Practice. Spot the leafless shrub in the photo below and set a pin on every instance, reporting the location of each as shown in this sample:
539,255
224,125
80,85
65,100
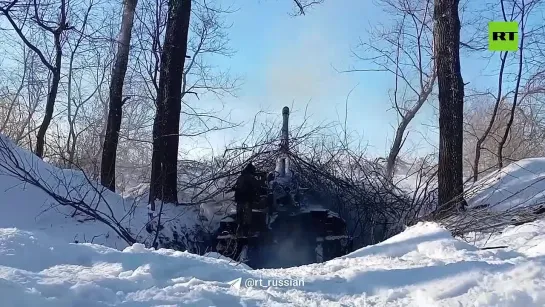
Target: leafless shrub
77,192
331,175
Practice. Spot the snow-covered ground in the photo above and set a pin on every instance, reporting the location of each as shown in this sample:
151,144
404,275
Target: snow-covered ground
423,266
26,206
518,185
40,265
528,239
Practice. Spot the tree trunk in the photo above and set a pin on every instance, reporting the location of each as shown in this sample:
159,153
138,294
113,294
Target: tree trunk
482,139
451,100
54,69
515,97
111,139
164,177
51,96
395,149
157,153
402,127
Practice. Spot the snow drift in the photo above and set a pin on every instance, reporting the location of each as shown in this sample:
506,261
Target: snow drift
30,190
423,266
520,184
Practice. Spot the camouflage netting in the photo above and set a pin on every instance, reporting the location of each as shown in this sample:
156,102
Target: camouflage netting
339,180
331,175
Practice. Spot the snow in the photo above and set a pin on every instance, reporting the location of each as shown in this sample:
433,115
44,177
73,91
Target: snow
520,184
528,239
423,266
28,207
40,265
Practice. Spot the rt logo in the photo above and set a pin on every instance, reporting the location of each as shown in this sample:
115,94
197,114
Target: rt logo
503,36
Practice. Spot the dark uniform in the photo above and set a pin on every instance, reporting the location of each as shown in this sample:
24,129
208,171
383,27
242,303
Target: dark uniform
247,191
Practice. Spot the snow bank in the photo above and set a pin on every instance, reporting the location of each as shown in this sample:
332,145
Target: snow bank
423,266
26,206
518,185
528,239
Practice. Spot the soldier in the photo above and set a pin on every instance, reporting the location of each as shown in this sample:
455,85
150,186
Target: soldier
247,190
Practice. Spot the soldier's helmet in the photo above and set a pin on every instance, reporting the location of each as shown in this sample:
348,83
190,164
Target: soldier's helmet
249,169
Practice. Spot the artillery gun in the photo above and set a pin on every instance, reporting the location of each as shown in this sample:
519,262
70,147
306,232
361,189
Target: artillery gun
285,231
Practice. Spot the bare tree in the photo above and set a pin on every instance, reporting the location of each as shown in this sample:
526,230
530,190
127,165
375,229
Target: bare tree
303,5
451,103
56,28
15,113
526,133
107,174
73,108
527,69
525,9
484,136
405,51
164,180
207,39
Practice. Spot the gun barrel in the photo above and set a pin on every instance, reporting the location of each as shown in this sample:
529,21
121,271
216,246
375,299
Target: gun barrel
285,132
